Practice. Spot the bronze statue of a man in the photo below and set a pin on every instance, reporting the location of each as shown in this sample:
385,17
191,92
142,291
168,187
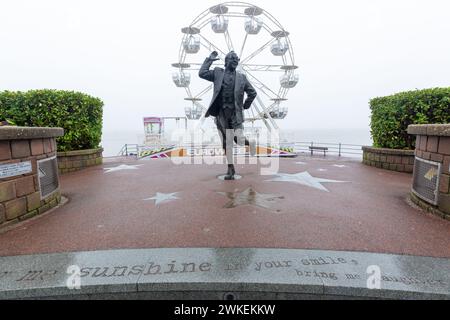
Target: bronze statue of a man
227,104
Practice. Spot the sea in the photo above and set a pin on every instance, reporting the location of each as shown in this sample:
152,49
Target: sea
113,141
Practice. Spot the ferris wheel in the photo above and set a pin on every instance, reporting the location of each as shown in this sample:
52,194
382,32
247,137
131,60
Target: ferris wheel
264,49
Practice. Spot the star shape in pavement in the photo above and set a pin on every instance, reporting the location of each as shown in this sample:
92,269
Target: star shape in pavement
249,197
304,178
163,197
122,167
339,166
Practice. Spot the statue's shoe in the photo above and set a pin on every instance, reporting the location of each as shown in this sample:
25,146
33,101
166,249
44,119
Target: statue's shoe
230,173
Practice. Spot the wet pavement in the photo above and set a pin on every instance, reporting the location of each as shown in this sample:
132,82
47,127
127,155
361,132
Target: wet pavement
312,203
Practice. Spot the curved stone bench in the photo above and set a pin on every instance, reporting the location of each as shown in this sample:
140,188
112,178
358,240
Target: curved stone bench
223,274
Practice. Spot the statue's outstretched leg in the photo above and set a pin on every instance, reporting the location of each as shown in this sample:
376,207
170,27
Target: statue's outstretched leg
241,140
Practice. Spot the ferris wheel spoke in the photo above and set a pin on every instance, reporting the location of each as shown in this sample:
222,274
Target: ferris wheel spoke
261,84
189,93
258,51
263,67
253,113
213,46
228,41
266,113
263,115
243,45
204,24
204,91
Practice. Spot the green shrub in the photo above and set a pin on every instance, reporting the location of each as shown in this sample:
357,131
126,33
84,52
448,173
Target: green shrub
392,115
78,114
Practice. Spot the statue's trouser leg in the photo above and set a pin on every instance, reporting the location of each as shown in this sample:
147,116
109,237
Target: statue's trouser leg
229,144
239,137
225,134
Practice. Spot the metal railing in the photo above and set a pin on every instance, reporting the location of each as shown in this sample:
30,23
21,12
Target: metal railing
129,150
339,149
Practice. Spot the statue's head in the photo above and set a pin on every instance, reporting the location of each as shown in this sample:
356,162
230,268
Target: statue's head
231,61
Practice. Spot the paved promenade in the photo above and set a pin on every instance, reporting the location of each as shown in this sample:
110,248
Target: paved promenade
313,203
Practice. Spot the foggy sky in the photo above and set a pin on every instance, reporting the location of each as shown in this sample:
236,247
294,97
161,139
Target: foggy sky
348,51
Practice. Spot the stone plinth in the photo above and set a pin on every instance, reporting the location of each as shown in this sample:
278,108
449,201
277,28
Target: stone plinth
76,160
389,159
21,149
433,144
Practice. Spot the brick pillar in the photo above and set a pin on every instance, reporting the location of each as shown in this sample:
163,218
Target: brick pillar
433,144
20,150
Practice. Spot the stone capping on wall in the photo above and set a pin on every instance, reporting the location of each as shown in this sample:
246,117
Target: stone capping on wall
396,152
440,130
25,133
78,152
389,159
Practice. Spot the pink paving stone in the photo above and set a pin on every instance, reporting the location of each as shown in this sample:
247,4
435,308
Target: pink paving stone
369,213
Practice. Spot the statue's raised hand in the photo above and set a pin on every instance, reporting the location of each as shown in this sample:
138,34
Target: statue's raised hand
214,56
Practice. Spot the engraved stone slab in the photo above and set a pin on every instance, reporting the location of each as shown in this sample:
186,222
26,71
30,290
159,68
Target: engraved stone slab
15,169
210,273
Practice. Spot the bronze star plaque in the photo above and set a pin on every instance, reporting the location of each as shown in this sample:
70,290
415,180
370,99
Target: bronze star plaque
250,197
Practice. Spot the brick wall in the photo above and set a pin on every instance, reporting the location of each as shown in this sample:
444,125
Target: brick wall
77,160
20,195
389,159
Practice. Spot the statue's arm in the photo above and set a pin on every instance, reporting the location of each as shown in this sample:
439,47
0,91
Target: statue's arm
204,72
251,94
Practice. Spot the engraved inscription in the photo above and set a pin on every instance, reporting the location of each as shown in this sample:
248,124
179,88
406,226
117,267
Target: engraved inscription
327,268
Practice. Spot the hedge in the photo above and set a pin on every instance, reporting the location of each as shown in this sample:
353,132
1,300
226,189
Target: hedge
79,114
392,115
